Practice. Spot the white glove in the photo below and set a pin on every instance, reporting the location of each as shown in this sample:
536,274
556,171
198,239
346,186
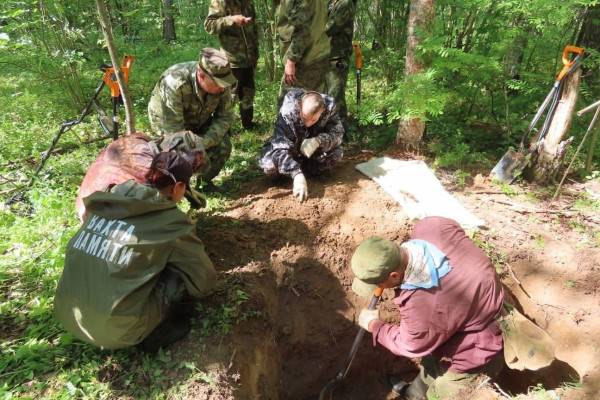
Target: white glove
300,190
366,316
309,146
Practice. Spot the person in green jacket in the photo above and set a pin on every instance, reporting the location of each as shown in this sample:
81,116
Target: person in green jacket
234,21
340,28
133,261
303,43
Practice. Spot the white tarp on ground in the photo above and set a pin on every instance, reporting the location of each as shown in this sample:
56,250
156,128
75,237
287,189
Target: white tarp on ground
413,185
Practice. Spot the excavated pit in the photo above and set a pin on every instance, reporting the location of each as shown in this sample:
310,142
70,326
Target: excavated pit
294,262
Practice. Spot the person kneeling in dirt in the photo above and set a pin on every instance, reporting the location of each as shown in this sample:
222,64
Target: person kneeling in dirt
134,267
130,157
306,140
196,96
450,301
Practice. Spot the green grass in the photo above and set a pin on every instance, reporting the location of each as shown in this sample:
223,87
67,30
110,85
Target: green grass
38,359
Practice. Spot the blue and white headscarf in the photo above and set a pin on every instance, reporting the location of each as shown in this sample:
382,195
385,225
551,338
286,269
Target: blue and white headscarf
426,265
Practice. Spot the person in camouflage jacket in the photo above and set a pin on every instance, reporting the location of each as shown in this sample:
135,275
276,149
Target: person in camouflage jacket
306,140
304,46
234,21
196,96
340,28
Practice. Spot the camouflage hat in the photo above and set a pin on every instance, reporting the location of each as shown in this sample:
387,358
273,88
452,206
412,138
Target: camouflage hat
188,144
372,262
214,63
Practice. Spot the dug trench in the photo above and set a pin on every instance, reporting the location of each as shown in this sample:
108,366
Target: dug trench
292,261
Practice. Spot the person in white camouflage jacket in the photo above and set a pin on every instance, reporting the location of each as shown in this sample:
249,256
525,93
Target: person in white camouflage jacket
307,139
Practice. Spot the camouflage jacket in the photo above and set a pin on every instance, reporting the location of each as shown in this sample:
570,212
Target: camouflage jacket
301,30
290,131
179,103
340,27
239,43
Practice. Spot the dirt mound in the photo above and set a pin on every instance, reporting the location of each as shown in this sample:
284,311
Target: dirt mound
294,258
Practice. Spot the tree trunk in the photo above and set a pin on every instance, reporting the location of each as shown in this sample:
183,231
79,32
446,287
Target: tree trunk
420,22
168,23
552,148
103,16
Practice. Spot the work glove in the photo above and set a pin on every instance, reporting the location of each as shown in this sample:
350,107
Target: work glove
366,316
300,190
309,146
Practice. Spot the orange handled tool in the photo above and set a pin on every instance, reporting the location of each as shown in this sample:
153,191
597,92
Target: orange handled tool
569,62
110,77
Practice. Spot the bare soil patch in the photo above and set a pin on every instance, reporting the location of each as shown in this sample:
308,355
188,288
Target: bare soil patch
294,262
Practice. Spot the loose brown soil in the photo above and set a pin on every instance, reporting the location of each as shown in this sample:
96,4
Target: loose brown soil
293,261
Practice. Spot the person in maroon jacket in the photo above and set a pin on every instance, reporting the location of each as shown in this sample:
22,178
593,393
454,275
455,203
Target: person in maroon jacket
449,298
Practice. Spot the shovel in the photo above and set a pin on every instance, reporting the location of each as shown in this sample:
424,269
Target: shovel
332,384
513,162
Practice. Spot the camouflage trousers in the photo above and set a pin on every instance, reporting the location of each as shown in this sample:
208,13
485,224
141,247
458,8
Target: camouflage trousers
216,157
446,384
244,89
244,92
335,82
279,162
309,77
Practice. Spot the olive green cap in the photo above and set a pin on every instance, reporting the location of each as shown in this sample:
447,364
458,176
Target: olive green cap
372,262
214,63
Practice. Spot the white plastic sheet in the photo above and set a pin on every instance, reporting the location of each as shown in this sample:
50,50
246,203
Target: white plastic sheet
415,187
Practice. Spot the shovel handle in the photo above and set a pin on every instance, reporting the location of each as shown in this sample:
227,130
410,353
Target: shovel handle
358,57
567,61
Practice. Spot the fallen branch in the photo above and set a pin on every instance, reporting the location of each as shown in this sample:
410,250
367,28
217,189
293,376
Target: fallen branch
519,209
485,192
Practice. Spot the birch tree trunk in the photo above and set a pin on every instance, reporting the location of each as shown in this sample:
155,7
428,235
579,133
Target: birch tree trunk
112,51
420,21
168,23
552,149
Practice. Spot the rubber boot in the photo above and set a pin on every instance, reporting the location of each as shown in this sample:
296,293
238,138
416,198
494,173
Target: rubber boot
416,390
167,332
197,200
247,115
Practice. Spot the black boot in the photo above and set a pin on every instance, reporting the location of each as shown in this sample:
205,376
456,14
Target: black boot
167,332
247,115
416,390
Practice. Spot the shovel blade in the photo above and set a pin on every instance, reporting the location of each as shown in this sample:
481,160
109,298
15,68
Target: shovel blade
510,166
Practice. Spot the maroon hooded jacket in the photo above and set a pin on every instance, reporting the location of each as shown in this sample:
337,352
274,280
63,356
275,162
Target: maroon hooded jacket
457,319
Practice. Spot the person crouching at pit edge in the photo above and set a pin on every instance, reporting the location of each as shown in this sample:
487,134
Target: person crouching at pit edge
135,263
306,139
448,296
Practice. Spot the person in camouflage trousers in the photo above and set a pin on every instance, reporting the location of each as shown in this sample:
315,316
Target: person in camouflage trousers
303,44
234,21
196,96
340,28
306,140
